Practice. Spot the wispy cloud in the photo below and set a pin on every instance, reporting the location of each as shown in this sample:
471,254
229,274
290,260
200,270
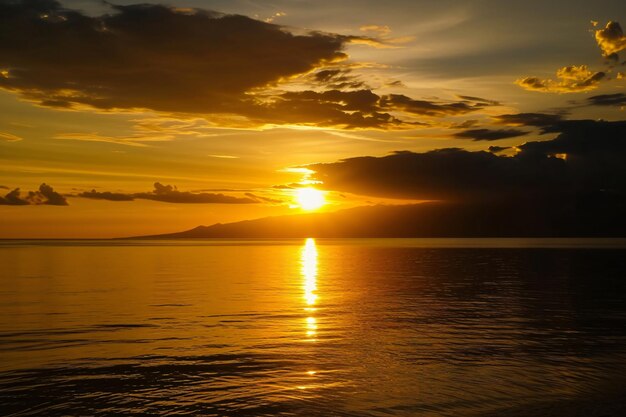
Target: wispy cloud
9,137
131,140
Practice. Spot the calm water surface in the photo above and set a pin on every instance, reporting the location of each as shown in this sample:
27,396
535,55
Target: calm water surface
313,328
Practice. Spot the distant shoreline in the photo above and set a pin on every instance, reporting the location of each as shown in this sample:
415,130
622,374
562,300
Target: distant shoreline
422,242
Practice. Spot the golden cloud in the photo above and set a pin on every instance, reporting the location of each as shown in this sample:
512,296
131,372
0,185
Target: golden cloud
571,79
611,39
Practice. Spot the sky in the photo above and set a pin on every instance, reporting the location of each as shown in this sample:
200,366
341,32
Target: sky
122,119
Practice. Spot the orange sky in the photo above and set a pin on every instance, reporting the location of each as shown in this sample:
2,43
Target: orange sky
222,109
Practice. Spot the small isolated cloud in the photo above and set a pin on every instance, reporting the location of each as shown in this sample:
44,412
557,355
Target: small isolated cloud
44,196
169,194
617,99
611,39
570,79
9,137
489,134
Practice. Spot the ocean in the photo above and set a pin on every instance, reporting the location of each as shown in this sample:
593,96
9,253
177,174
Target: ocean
313,327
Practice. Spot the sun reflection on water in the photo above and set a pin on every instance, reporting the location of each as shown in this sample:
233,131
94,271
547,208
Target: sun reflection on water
309,276
309,273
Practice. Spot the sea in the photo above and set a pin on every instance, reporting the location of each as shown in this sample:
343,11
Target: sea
313,327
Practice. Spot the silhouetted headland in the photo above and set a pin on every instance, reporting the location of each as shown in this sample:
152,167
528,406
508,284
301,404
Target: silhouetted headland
590,216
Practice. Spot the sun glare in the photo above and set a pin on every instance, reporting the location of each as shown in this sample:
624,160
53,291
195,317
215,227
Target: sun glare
310,198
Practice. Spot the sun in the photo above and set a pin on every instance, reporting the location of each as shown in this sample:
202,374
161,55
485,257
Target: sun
310,198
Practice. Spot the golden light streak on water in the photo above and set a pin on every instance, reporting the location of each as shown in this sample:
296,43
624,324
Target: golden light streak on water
309,277
309,271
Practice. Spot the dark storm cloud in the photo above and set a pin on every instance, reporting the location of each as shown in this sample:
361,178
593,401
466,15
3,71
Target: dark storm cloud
587,157
529,119
489,134
617,99
44,196
149,56
194,62
169,194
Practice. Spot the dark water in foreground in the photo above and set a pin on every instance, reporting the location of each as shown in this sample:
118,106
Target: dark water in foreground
326,328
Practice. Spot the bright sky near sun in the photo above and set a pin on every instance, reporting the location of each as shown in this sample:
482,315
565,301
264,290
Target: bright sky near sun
152,119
